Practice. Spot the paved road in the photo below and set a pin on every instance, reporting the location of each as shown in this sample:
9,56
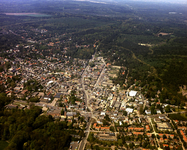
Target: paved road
99,79
54,102
84,140
101,74
153,130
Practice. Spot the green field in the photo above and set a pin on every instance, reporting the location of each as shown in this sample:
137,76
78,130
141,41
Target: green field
182,117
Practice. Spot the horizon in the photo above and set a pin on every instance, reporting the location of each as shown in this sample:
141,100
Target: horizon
116,1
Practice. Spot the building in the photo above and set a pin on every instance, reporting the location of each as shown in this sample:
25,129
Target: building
148,112
107,137
164,126
132,93
129,110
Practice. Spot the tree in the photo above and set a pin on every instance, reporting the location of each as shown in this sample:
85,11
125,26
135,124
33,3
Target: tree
1,69
81,133
60,104
120,142
141,109
167,109
34,99
62,112
91,137
112,128
107,118
124,113
96,147
131,145
152,109
105,122
153,136
164,136
7,65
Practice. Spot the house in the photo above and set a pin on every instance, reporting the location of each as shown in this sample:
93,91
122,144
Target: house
129,110
107,137
157,120
35,94
158,111
117,105
149,134
9,94
148,112
105,128
183,135
137,143
165,145
162,117
147,128
128,142
103,114
55,112
46,99
11,106
137,149
58,95
182,128
24,92
71,114
17,89
40,94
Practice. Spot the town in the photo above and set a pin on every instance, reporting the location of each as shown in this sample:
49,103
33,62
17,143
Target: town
83,94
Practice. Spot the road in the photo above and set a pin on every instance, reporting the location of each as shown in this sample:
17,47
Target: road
87,132
153,130
54,102
84,140
99,78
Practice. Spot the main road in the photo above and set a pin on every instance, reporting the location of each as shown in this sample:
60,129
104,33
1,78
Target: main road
84,140
87,132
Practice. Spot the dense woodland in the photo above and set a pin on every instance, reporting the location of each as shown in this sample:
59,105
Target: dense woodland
26,129
117,31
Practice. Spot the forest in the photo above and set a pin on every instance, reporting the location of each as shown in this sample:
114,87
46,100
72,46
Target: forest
26,129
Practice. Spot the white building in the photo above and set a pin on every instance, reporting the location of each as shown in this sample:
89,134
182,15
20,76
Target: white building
132,93
148,112
129,110
103,113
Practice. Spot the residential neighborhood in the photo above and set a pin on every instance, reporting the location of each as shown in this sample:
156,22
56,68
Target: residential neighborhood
84,95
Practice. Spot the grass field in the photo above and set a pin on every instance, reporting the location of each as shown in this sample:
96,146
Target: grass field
3,145
181,117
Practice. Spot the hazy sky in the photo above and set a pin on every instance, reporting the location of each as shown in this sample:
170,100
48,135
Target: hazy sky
101,1
168,1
